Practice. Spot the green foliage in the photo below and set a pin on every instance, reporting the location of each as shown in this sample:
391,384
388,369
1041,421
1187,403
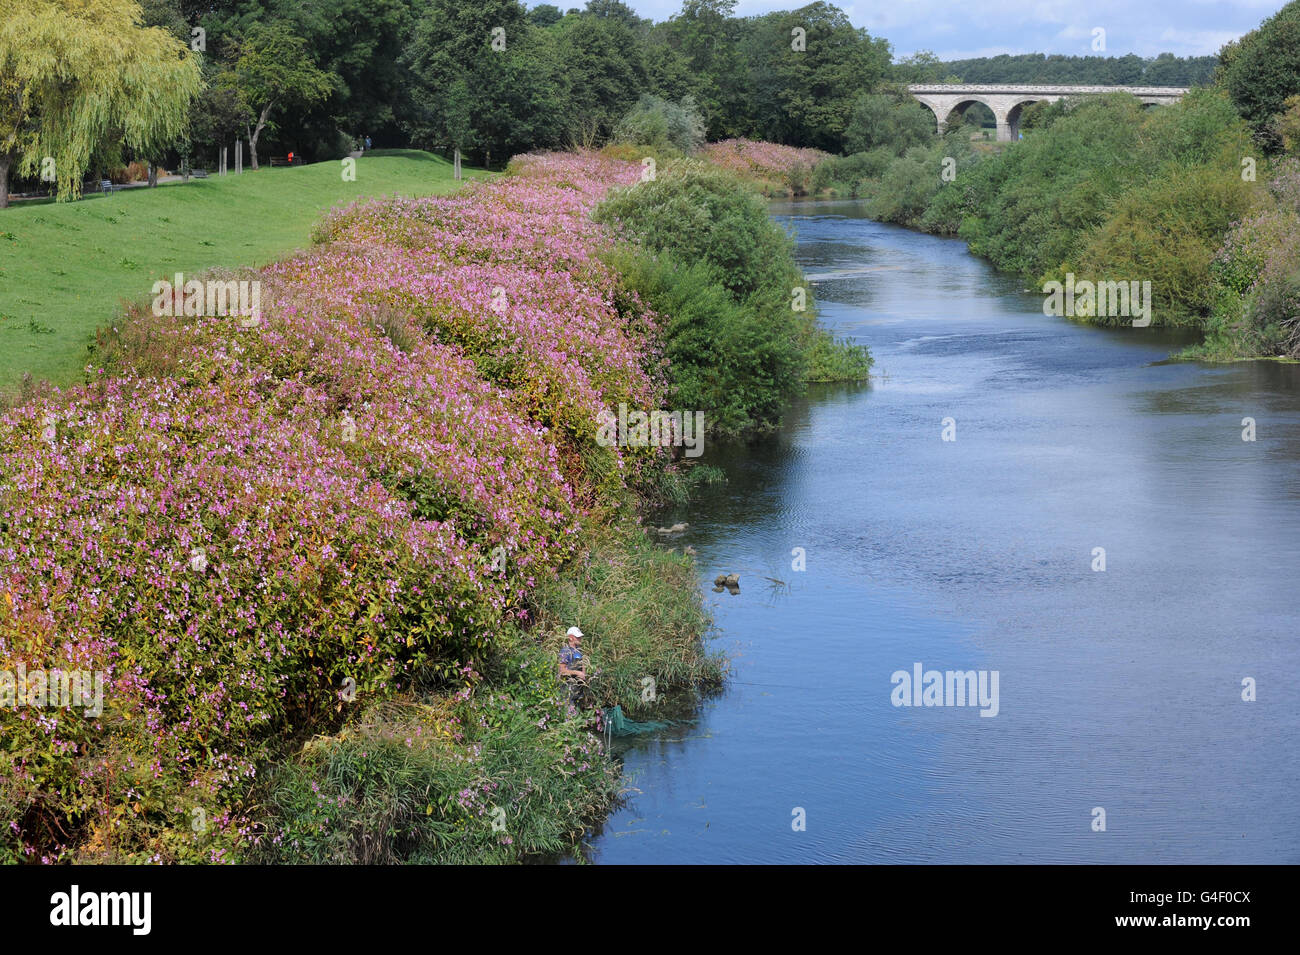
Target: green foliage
273,70
1042,114
360,43
700,214
501,772
846,175
892,120
661,123
1257,278
910,183
1055,68
806,96
721,275
1036,200
1288,126
1099,188
738,363
627,598
1166,232
493,102
604,70
1262,69
78,83
419,779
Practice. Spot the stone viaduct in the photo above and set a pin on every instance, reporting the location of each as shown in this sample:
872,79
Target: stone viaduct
1008,102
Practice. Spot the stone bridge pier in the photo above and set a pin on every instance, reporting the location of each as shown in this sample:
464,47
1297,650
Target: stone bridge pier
1008,102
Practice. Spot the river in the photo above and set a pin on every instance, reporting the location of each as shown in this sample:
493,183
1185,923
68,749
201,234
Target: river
1118,689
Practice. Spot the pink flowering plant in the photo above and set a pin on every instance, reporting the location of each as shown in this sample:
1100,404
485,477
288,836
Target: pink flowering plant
769,165
242,524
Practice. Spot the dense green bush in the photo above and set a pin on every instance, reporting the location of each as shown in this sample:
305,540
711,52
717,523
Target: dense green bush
1167,233
846,175
910,184
504,770
701,214
723,360
721,277
1257,278
625,598
1099,187
893,120
1035,200
659,122
1262,69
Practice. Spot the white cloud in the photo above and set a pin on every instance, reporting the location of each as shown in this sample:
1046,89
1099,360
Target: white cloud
1182,27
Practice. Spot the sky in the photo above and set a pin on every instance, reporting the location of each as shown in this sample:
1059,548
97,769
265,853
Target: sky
958,29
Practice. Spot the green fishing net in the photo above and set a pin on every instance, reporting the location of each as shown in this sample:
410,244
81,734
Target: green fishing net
616,724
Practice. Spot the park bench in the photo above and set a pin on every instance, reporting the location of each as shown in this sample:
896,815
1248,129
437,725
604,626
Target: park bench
199,173
106,185
284,161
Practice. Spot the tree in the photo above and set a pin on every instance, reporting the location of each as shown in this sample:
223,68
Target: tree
273,69
890,119
484,79
361,43
615,10
219,113
604,70
658,122
1262,69
706,39
803,85
78,76
544,15
921,67
1288,124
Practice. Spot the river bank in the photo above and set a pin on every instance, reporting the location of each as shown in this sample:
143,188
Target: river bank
1177,204
322,556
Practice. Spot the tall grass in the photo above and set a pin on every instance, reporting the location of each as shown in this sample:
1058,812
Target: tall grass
503,770
635,604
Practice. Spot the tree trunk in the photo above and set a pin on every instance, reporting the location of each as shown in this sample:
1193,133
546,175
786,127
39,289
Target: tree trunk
4,181
153,175
252,136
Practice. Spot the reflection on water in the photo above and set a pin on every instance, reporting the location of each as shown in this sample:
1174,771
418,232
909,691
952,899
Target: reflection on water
1119,689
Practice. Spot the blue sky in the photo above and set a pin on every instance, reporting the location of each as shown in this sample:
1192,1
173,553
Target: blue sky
955,29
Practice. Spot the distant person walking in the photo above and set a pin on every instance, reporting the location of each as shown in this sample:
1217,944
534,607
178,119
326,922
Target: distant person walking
367,144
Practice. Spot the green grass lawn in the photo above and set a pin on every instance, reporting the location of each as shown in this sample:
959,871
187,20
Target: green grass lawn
67,268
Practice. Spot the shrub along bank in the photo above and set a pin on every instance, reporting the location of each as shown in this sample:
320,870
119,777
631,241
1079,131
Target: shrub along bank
321,558
736,318
1105,191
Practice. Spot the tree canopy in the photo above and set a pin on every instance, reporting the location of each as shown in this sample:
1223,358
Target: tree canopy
82,78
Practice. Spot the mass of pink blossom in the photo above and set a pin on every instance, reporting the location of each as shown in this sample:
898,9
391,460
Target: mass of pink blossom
767,162
235,521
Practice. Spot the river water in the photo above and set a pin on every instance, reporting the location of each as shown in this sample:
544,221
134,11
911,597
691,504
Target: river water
1118,689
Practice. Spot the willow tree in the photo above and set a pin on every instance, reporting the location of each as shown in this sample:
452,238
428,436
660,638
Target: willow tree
76,75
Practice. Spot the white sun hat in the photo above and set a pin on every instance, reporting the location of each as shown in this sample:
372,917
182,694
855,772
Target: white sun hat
574,632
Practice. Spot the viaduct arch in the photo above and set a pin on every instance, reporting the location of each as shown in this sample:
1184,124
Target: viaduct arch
1008,102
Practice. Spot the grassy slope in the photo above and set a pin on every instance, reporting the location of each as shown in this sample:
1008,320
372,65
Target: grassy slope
65,268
